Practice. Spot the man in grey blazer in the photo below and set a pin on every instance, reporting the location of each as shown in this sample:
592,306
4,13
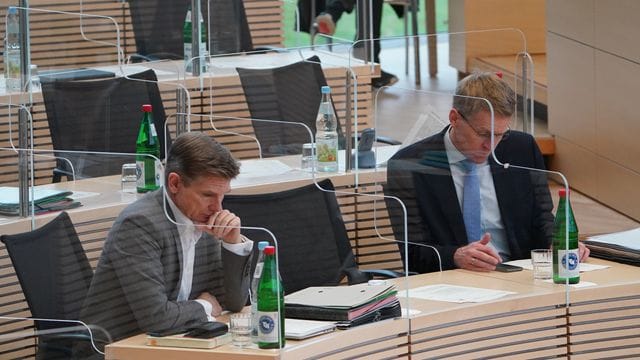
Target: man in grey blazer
174,258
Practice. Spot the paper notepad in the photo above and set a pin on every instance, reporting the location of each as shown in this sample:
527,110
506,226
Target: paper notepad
340,297
298,329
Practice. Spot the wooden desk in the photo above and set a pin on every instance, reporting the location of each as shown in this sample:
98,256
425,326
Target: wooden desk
532,323
220,94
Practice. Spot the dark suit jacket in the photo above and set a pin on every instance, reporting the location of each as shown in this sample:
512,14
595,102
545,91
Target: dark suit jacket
137,280
419,175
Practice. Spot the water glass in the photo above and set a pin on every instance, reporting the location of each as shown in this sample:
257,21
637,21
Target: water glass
541,259
240,327
308,157
128,181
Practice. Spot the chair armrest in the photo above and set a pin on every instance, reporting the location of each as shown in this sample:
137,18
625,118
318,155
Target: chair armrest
74,335
357,276
59,173
387,140
388,274
264,49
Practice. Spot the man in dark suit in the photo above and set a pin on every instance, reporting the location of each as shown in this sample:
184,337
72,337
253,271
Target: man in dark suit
429,177
174,258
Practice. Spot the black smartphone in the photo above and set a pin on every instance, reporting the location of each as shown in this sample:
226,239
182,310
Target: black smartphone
167,332
208,330
507,268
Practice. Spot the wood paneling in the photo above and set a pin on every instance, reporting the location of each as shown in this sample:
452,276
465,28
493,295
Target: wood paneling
573,18
592,96
470,15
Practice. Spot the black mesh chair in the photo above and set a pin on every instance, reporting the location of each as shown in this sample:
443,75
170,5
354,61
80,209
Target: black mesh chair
314,249
55,275
99,115
157,25
290,93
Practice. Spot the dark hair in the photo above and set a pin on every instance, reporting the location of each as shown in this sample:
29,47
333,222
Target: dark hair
486,85
194,154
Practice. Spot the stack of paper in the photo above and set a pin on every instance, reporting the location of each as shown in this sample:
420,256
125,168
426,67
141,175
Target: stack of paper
622,246
298,329
350,305
46,200
188,342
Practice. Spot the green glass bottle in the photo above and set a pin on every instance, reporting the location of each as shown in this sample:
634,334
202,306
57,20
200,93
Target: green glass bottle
566,263
148,169
270,294
187,42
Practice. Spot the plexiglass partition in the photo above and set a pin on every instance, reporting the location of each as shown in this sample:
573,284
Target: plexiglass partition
426,182
225,92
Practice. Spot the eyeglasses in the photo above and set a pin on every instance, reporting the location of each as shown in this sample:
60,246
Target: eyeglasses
486,135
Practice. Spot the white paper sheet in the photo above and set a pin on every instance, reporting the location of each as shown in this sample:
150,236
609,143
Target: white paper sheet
77,195
456,294
584,267
581,284
262,167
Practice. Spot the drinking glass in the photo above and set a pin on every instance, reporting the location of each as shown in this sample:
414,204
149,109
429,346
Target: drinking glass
240,327
129,178
541,261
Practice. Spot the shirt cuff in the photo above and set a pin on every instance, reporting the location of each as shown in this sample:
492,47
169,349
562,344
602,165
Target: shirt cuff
242,248
208,308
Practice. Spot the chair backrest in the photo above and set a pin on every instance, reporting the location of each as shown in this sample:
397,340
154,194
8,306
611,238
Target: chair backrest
158,25
313,245
290,93
52,269
100,115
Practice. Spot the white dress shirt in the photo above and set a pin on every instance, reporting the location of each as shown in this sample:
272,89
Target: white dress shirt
189,236
490,218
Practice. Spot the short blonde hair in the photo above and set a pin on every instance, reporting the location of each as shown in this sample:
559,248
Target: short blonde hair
485,85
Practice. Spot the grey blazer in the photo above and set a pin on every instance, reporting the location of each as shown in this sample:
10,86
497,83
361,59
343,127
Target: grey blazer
136,283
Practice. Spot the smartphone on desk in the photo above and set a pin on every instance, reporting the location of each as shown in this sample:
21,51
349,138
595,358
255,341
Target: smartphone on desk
507,268
208,330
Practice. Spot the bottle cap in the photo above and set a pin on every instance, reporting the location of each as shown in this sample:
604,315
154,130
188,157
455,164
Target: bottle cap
146,108
562,192
262,245
269,250
326,89
12,10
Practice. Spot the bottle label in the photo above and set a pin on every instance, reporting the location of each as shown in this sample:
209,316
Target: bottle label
268,329
140,174
568,263
327,153
158,172
254,320
152,129
258,273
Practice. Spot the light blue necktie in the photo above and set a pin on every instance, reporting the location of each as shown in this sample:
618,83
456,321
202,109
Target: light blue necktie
471,202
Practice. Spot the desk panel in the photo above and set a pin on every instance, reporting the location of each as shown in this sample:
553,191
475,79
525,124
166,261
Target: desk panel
382,340
533,323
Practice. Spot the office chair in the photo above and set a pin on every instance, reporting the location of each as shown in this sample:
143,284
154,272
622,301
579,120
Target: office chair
55,275
99,115
157,25
313,246
290,93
